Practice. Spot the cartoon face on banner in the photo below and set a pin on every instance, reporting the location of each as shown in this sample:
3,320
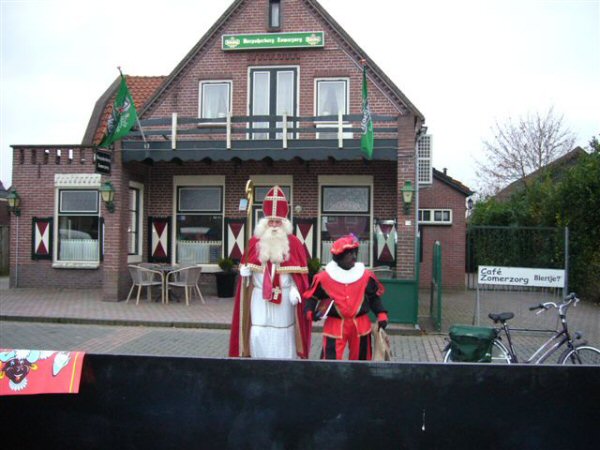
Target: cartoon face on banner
39,371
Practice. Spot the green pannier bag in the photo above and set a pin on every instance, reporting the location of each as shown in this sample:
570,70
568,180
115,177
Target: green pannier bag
471,344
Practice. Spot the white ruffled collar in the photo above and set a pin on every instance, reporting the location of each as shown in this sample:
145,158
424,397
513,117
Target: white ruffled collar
345,276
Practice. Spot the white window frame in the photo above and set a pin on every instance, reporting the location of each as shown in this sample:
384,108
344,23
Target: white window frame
250,91
432,220
203,83
197,181
425,157
137,257
346,124
346,180
75,182
270,15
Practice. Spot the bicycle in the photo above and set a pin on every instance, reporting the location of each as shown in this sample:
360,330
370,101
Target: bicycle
577,351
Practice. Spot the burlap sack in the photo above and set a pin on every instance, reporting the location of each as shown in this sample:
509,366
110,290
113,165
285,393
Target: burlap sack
381,344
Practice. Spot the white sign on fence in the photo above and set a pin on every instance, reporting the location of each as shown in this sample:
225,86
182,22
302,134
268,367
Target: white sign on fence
521,276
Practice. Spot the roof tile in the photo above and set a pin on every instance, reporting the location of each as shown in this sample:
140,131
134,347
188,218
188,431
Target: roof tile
141,89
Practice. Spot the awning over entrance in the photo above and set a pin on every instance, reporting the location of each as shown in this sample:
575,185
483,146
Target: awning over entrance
305,150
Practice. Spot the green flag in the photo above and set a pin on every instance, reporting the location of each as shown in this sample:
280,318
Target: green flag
366,141
122,118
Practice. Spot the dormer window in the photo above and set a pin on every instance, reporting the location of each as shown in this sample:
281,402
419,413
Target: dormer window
274,14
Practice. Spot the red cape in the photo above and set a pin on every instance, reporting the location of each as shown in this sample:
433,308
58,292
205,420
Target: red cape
296,265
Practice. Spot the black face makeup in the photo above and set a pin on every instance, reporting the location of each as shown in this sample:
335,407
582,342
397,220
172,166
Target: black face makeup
348,259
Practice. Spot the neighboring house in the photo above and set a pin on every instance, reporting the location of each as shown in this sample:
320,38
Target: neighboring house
554,169
260,98
442,218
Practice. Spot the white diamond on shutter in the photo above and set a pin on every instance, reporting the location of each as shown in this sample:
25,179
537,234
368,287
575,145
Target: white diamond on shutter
424,155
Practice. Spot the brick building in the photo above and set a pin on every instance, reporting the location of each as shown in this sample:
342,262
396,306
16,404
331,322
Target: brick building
442,218
272,93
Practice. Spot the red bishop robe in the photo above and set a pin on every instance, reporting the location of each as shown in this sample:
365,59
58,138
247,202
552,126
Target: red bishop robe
296,265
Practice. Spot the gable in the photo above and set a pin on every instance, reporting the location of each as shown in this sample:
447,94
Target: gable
141,88
340,56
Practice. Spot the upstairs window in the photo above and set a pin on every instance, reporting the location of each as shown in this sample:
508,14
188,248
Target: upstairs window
215,99
274,14
332,99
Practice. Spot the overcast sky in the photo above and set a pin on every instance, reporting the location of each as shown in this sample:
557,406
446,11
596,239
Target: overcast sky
463,64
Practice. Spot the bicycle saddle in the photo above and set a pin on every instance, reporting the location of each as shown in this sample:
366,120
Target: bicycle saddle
501,317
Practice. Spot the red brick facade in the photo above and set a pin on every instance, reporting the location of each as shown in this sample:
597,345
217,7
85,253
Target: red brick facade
441,195
34,168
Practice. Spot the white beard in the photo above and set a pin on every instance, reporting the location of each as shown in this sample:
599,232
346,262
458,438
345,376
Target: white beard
273,244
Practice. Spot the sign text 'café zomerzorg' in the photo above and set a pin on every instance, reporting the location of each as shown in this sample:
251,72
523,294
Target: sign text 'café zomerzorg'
521,276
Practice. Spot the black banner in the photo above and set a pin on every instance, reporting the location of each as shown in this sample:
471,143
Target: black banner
103,161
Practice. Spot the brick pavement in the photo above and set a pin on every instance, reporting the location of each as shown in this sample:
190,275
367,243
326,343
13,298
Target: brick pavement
86,307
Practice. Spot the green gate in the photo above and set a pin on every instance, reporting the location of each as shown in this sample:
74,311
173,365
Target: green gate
401,297
435,303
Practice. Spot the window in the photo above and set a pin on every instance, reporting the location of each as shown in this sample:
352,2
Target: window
134,227
215,99
435,216
424,154
331,99
273,94
78,226
199,228
345,209
274,14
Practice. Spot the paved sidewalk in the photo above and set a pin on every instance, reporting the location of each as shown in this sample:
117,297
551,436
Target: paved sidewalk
76,306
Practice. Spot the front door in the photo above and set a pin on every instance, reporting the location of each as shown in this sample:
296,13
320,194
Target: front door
273,93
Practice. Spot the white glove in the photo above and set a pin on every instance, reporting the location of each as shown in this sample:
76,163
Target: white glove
295,297
245,271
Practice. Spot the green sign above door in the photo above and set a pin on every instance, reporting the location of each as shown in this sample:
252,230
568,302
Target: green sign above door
310,39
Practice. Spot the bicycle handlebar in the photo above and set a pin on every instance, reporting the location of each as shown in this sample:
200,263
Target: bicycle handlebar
571,298
540,306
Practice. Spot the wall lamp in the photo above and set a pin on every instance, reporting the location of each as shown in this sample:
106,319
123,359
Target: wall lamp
407,196
107,192
14,201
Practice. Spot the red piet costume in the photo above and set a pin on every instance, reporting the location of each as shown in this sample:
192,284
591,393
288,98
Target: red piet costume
354,292
268,297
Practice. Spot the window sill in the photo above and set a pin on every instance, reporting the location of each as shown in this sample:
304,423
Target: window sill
75,265
212,125
436,224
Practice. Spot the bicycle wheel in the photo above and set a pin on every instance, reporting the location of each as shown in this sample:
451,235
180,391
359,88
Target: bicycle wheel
584,354
500,354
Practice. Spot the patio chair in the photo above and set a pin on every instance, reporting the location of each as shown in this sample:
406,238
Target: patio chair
144,277
186,278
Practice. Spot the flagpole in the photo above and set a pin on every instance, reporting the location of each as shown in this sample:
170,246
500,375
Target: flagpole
137,119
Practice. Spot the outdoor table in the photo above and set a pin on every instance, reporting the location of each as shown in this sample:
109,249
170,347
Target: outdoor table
165,269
